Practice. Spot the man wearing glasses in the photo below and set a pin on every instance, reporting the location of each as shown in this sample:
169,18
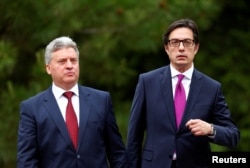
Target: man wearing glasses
177,110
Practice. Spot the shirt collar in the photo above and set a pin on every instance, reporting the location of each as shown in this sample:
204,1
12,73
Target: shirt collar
58,92
188,73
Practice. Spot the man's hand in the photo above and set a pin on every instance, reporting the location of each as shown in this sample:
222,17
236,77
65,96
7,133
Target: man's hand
199,127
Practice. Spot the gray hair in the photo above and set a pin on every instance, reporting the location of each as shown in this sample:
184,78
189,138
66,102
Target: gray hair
57,44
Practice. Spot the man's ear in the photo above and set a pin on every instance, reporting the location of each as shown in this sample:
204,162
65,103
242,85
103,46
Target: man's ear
48,69
166,48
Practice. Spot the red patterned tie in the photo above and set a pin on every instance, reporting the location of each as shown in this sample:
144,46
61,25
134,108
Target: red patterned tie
71,120
179,100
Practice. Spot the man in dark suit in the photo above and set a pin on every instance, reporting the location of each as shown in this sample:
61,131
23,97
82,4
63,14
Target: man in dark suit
157,135
44,133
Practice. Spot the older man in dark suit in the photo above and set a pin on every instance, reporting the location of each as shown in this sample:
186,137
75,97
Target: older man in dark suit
68,125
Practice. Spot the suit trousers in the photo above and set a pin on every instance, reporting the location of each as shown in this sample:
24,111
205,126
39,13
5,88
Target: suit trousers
173,165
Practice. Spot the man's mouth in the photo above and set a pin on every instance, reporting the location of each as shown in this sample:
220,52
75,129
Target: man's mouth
181,56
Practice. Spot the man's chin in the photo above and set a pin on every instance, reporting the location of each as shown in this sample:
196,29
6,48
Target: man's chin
70,81
182,63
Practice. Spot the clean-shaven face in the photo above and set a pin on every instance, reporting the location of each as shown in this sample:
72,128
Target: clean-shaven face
64,68
181,57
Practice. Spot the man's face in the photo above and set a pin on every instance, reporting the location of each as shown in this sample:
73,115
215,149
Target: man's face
181,57
64,68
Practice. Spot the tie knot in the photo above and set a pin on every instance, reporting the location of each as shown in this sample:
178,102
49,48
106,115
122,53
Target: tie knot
180,77
68,94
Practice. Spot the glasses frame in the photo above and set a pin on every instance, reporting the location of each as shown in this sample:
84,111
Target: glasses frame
185,42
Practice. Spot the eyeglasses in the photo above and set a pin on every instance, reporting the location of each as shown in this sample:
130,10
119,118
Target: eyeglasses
185,42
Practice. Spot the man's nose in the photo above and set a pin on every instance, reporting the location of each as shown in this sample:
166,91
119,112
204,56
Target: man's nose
181,46
69,63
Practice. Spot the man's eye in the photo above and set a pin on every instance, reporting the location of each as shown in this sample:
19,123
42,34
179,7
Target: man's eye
61,61
74,60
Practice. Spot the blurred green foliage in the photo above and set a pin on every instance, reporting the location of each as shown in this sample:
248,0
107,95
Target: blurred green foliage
117,41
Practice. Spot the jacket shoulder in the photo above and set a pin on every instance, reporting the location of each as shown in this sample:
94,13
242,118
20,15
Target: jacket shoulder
90,90
36,97
154,72
205,77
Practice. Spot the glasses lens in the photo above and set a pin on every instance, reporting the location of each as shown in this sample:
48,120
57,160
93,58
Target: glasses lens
174,43
185,42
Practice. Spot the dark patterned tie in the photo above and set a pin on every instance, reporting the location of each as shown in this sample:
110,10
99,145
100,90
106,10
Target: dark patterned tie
179,100
71,120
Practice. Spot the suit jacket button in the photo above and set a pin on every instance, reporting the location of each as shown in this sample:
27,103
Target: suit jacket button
78,156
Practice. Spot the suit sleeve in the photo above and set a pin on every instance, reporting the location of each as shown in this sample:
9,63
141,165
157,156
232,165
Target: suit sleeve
136,127
116,152
227,134
26,146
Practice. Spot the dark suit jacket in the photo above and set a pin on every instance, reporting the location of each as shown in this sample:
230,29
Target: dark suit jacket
44,142
153,110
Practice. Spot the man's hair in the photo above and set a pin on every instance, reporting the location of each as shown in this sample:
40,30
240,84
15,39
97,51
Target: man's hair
186,23
57,44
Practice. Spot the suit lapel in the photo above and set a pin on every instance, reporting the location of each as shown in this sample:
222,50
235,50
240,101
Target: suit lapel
166,89
84,112
53,110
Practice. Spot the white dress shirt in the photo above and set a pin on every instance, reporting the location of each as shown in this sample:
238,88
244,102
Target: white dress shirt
62,101
186,81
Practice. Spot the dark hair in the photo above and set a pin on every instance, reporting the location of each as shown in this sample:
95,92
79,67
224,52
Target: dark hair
188,23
